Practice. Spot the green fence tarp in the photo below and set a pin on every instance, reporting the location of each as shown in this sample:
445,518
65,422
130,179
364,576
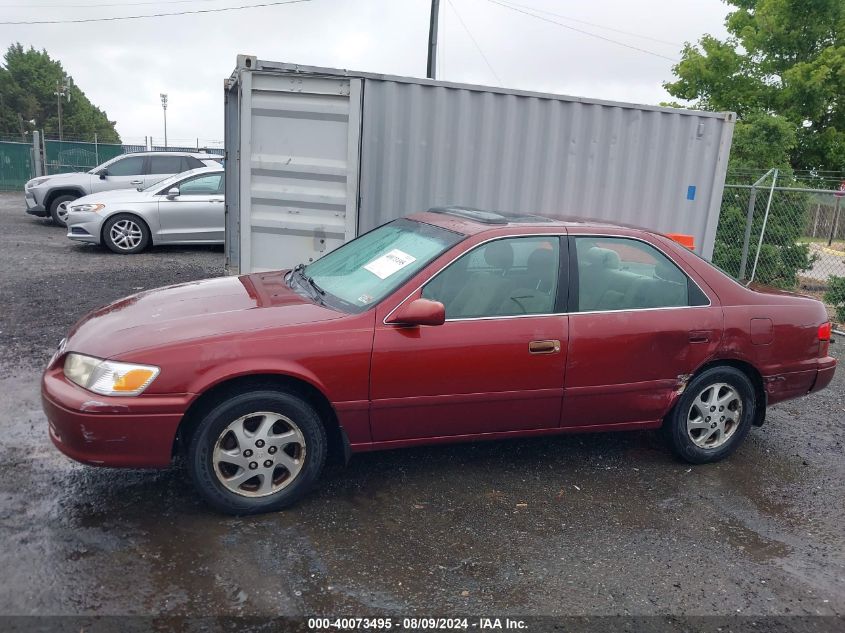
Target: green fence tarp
66,156
15,165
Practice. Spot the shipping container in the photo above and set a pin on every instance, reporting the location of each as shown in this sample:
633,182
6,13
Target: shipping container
315,156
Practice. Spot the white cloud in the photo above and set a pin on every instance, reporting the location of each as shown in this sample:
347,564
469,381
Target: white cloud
123,66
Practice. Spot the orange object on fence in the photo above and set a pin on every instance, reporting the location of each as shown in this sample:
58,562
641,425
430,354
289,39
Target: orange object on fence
683,239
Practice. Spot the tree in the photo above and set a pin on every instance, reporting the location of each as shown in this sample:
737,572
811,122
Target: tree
783,58
28,82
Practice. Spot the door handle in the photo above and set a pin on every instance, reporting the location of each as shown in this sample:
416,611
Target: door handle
136,182
699,336
544,347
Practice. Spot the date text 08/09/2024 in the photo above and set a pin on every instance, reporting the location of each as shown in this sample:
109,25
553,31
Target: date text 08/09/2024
416,624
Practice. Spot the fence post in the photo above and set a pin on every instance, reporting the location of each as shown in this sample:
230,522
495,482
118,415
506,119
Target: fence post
752,200
834,225
37,160
44,151
96,149
816,223
763,230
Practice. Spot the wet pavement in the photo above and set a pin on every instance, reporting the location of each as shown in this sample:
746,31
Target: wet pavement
579,524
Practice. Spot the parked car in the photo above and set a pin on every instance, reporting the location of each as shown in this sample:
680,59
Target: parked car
48,196
184,209
449,325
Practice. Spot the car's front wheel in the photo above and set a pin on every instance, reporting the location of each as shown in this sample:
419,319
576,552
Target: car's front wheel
257,452
126,234
713,415
59,210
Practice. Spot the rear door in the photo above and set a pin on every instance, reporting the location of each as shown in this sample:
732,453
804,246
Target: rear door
497,363
196,214
639,324
163,166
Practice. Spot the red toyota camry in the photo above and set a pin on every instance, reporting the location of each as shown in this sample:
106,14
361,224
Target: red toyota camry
450,325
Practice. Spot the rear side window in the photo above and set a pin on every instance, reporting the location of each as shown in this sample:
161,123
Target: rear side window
617,273
193,163
505,277
167,164
129,166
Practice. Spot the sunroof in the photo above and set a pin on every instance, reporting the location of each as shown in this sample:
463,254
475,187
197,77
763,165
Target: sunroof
470,213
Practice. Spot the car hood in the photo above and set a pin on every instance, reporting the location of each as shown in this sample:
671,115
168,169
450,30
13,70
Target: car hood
68,178
113,196
192,311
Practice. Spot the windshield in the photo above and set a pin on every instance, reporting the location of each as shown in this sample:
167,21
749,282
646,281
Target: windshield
367,269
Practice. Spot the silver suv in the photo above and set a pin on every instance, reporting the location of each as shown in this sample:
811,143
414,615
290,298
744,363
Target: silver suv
48,196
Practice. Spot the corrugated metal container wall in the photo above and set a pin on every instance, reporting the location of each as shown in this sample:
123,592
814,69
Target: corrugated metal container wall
426,145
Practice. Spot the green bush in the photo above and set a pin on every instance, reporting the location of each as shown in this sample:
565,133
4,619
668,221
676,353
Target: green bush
835,296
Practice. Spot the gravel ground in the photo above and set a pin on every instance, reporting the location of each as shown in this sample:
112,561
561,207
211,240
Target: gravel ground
580,524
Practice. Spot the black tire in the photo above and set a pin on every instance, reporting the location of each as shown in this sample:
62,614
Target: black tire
56,208
200,452
137,231
687,442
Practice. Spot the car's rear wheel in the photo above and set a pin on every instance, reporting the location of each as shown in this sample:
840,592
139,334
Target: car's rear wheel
257,452
126,234
713,415
58,208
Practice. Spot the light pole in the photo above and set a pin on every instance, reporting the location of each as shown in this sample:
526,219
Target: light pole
164,108
63,86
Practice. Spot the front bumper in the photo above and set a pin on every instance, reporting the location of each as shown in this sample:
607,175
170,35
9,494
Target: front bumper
108,431
33,207
84,227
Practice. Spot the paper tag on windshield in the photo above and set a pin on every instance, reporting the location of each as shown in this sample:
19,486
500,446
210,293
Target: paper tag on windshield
389,263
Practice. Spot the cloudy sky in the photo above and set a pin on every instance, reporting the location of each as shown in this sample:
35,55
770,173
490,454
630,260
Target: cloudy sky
124,65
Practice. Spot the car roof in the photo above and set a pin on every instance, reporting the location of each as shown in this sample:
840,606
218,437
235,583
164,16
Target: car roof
471,220
198,155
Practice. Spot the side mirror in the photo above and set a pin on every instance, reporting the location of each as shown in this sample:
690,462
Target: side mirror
420,312
173,192
102,173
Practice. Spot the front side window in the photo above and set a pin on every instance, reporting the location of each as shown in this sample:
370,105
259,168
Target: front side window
617,273
364,271
202,185
505,277
131,166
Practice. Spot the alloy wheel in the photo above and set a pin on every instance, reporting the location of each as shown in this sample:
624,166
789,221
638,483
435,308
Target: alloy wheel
714,416
125,234
62,211
259,454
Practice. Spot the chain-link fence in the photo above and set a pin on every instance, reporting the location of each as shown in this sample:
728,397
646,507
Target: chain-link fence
789,237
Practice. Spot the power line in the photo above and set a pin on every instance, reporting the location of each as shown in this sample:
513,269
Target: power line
478,48
94,6
156,15
583,32
599,26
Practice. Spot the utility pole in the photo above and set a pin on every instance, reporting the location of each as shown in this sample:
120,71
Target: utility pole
431,67
63,87
164,108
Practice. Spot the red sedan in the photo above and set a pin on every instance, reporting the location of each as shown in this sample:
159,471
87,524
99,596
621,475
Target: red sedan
450,325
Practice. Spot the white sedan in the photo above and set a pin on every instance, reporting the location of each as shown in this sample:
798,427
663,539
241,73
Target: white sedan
184,209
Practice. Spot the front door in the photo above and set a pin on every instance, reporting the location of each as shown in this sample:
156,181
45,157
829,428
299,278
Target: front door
498,362
124,173
639,325
196,214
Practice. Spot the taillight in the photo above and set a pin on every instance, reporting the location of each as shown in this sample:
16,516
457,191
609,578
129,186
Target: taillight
824,339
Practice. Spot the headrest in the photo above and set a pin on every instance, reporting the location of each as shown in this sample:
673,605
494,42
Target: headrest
499,254
541,263
603,257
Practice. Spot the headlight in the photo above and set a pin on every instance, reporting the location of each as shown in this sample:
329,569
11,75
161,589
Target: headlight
85,207
36,181
108,378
